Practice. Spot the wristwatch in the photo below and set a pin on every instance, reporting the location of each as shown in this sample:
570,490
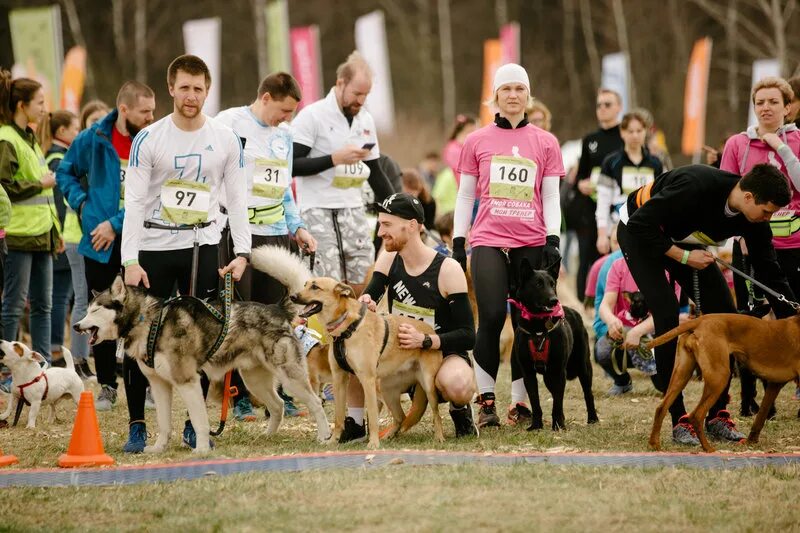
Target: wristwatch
427,342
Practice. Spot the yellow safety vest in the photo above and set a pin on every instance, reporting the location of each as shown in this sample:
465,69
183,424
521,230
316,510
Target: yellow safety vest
36,215
72,227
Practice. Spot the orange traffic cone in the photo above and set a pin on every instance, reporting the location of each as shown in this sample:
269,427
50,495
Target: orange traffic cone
86,445
6,460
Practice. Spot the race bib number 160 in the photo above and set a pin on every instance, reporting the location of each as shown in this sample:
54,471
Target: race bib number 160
512,177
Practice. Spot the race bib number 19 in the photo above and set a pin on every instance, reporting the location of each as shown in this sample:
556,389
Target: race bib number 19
270,179
350,176
512,177
185,202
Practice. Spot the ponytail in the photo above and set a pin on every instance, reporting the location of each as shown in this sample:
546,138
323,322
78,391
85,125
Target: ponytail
13,92
49,125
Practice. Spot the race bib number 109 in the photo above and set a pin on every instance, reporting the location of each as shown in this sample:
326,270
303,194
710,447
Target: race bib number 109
350,176
185,202
512,177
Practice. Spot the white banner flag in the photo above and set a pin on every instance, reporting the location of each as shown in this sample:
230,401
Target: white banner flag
761,69
616,77
371,42
201,37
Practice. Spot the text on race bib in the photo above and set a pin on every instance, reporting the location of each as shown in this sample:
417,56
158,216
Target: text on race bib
634,178
123,168
784,223
185,202
512,177
270,178
350,176
423,314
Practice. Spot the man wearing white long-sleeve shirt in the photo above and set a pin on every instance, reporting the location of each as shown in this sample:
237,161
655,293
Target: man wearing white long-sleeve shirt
177,168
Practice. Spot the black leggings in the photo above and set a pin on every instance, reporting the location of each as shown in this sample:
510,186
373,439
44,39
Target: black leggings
490,278
648,272
99,277
587,255
167,270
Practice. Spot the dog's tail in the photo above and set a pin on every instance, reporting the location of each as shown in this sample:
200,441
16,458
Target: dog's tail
68,362
281,264
686,327
419,403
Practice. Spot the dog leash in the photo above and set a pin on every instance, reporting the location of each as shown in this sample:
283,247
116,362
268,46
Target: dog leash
779,296
616,347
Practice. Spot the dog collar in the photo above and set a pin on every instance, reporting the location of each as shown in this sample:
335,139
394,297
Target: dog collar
338,322
527,314
339,347
31,382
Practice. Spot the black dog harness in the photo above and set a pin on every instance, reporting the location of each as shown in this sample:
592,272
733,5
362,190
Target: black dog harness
222,317
340,348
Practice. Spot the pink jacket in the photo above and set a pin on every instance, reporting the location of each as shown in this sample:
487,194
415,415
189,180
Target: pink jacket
745,150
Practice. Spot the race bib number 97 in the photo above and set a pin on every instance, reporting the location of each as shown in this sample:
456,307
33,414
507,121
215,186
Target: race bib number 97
350,176
270,179
185,202
512,177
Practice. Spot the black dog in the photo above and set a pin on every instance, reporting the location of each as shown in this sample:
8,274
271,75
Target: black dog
555,346
638,306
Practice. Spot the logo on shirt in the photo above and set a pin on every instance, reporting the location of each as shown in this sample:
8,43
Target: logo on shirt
593,147
209,148
426,284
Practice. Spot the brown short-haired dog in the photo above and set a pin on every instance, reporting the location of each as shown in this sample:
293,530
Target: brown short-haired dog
765,347
373,352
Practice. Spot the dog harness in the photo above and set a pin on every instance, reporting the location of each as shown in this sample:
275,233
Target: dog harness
340,348
28,384
223,317
539,341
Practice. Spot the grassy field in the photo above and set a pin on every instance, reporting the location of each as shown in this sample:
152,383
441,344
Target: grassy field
402,498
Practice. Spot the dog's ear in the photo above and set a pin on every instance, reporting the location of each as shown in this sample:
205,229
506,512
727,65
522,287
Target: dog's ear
628,296
342,289
118,288
18,348
36,356
95,294
525,269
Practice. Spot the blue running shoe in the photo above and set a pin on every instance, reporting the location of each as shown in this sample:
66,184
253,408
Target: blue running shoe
190,437
137,438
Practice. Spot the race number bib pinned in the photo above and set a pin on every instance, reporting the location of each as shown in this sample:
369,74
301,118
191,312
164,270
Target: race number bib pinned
270,179
512,177
350,176
123,168
423,314
185,202
634,178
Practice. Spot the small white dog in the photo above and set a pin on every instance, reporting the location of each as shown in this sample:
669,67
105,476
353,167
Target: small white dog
34,385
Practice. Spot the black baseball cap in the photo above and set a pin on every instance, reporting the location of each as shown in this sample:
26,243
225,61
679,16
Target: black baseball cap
403,205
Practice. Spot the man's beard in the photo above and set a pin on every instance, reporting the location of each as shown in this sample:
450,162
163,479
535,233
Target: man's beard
184,111
132,128
396,244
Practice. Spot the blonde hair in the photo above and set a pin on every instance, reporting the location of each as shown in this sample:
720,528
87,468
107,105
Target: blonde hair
492,102
774,82
354,63
538,105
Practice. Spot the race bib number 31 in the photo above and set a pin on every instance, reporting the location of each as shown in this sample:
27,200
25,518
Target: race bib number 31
185,202
270,179
512,177
350,176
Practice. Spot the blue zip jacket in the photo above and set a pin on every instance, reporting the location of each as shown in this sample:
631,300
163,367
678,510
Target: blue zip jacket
92,159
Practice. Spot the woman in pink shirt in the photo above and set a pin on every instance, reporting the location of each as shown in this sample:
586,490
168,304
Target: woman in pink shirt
778,144
513,168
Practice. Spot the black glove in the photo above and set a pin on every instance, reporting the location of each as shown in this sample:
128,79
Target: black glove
460,251
551,255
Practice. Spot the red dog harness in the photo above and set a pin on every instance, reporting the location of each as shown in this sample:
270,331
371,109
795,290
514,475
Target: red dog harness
539,342
28,384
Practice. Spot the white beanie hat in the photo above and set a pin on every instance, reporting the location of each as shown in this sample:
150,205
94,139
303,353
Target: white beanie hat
511,73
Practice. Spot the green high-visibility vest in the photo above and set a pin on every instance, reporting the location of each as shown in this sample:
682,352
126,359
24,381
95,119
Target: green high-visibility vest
36,215
72,233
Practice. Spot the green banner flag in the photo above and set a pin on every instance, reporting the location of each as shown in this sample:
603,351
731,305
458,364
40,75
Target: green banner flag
277,14
38,48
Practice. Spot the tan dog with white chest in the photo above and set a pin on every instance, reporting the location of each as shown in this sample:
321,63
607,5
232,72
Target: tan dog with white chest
372,351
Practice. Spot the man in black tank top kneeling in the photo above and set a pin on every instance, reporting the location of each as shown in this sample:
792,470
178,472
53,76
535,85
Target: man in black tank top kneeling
428,286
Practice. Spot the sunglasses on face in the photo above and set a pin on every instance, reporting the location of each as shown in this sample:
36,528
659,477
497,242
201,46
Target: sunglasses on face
604,104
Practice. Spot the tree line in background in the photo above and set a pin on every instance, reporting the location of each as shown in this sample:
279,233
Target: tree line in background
562,43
